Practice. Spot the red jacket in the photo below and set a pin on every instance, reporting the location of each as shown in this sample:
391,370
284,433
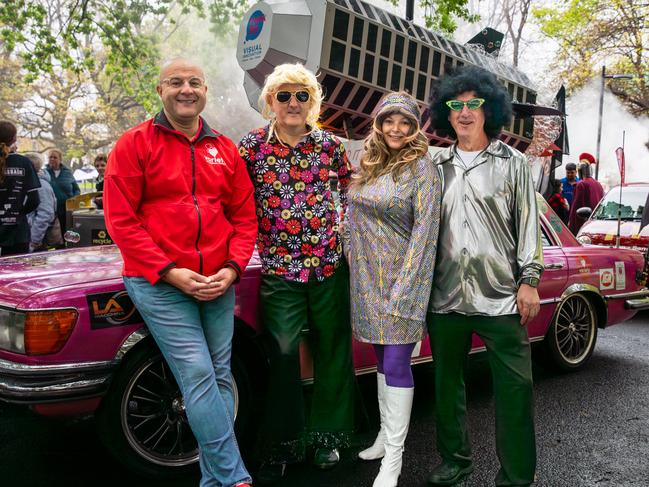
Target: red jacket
169,201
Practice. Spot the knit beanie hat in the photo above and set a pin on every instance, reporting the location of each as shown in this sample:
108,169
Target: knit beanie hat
397,103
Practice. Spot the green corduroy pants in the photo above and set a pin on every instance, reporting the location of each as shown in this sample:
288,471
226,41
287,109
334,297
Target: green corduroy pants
318,311
509,356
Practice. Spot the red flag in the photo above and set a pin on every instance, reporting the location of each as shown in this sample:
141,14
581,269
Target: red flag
619,153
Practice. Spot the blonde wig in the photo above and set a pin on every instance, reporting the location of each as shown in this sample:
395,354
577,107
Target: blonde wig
377,159
292,74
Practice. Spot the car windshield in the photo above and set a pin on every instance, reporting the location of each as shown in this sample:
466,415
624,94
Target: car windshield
633,201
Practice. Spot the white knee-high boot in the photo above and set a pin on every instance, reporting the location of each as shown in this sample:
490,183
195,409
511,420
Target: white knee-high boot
377,450
398,404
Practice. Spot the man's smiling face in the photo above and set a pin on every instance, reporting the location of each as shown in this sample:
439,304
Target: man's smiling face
468,124
182,90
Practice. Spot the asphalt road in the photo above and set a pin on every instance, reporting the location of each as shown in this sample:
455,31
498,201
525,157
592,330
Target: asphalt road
592,430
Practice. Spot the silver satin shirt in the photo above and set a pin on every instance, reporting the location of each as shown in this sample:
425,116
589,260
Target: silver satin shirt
489,234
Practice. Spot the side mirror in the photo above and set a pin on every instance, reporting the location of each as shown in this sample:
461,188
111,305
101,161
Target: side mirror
584,212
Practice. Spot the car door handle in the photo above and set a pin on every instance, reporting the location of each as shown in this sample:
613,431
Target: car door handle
556,265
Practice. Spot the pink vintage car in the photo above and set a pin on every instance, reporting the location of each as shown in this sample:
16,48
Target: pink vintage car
72,343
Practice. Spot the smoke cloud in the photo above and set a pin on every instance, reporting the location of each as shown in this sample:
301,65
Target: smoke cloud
583,111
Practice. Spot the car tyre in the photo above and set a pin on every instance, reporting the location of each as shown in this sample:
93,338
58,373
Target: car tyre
142,420
570,339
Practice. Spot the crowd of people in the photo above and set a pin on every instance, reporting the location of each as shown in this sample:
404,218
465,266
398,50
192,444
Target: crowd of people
443,246
410,255
34,195
573,192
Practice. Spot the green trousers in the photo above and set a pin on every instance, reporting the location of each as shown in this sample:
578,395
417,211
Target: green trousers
319,311
508,351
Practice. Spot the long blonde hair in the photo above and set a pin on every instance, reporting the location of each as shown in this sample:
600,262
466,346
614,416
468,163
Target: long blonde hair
378,160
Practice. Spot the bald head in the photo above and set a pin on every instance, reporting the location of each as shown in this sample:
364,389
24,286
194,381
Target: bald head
171,66
183,91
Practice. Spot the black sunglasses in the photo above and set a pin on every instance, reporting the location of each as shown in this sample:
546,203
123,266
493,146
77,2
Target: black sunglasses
284,96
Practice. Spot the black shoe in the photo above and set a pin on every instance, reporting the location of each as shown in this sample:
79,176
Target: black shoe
326,458
449,474
270,473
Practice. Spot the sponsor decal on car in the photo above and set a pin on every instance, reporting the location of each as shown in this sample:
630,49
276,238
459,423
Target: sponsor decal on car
620,276
583,264
112,309
606,278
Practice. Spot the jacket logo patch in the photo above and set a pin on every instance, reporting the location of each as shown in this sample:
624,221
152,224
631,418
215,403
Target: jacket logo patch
213,157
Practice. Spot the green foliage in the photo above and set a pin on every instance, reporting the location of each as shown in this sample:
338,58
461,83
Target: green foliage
444,12
592,33
83,71
225,16
441,15
54,34
89,67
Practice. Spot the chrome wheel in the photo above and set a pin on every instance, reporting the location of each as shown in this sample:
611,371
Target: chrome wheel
153,416
573,333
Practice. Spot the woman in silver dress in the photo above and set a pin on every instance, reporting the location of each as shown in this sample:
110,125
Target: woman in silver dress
393,221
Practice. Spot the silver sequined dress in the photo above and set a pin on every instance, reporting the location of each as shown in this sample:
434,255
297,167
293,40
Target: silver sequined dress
392,239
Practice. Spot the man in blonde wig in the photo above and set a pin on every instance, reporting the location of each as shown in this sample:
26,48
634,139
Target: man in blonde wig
305,279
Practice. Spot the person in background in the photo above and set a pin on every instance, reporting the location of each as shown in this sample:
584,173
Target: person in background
569,182
63,183
304,277
489,264
557,202
100,166
18,193
586,158
179,205
588,193
391,241
44,216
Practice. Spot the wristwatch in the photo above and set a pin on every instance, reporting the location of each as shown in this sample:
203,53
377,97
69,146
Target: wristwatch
530,281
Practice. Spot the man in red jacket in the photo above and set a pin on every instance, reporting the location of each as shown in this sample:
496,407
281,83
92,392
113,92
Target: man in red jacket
179,204
588,193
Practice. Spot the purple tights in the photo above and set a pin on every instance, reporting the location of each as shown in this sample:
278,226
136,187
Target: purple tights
394,362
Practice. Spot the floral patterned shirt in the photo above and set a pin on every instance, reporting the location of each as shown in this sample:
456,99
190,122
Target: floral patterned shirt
298,222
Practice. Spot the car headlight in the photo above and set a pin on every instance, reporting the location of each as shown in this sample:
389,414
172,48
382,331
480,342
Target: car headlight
37,332
12,330
584,240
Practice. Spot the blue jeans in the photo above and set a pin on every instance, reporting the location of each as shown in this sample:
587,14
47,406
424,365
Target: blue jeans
195,338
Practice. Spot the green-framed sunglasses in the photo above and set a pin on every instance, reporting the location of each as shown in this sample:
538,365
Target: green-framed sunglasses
472,104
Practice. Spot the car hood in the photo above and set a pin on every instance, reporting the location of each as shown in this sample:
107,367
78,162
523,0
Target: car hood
24,275
604,232
609,227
